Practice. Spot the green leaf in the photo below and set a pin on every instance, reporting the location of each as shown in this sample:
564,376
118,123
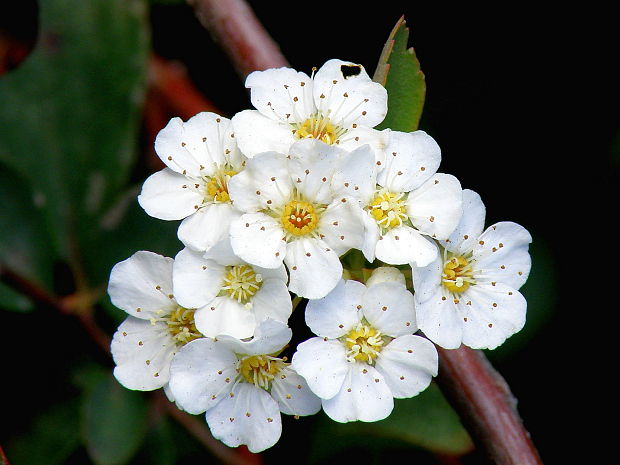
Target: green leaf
24,239
426,421
70,113
50,440
399,71
114,422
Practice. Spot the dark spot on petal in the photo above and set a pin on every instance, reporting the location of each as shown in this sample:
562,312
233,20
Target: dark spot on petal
350,70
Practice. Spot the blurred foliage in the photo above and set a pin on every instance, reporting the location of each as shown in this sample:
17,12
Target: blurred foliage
69,143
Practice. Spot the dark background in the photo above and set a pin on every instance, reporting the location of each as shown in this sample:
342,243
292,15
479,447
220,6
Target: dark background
524,104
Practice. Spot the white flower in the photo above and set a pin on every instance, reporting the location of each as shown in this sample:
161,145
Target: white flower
231,296
410,201
242,386
292,214
338,105
201,156
366,354
469,293
144,344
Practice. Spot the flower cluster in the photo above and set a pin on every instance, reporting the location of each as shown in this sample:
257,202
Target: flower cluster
270,202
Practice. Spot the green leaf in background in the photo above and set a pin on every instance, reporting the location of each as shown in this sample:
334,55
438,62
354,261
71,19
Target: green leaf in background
399,71
70,113
12,300
24,240
114,422
51,439
426,421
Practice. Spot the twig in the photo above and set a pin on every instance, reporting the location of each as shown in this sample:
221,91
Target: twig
234,26
486,406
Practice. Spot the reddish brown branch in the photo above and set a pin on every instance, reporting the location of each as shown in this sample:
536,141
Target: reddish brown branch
3,459
486,406
234,26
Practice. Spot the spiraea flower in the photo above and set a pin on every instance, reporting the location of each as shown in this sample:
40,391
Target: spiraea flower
469,293
242,386
292,214
230,296
410,202
157,326
201,157
366,353
337,105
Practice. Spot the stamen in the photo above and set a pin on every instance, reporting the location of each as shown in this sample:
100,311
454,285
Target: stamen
241,283
260,370
363,343
458,272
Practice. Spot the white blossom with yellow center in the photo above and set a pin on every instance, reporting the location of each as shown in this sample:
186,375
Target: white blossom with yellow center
469,293
293,214
201,157
231,296
337,105
365,354
157,326
242,385
410,202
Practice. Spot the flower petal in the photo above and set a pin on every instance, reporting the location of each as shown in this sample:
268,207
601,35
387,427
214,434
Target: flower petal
264,184
411,158
202,374
361,135
408,364
364,396
142,352
224,315
281,94
141,285
198,144
439,319
249,416
388,306
257,133
207,226
269,337
402,245
355,176
437,206
314,268
322,363
502,253
496,313
312,167
337,313
347,92
342,225
427,279
272,301
470,226
293,395
166,195
196,281
258,239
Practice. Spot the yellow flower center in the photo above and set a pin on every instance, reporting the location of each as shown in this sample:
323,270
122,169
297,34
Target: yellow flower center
457,274
389,209
318,127
299,218
241,283
260,370
181,325
216,189
363,343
